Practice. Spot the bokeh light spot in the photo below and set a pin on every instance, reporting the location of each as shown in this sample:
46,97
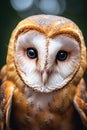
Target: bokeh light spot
21,5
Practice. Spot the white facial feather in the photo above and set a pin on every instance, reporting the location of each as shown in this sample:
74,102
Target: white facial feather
45,74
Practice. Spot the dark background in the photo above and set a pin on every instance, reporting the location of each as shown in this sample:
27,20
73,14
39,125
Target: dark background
76,10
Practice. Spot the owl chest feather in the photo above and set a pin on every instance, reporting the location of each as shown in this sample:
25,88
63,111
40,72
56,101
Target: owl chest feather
37,111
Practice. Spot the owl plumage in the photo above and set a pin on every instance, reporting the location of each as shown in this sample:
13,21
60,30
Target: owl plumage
42,81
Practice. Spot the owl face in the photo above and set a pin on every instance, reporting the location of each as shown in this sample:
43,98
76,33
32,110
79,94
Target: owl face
47,53
44,63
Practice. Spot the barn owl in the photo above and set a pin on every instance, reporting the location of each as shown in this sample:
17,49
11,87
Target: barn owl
42,82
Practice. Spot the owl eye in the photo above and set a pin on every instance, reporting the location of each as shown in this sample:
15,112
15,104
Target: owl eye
32,53
61,55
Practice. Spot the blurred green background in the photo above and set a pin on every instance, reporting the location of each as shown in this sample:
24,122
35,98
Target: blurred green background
12,11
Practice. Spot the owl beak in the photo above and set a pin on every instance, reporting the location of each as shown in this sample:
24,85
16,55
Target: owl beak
44,75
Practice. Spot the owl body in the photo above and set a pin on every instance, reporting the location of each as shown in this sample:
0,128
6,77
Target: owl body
42,82
38,111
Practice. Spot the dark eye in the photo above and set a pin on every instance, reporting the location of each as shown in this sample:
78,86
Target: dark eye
32,53
61,55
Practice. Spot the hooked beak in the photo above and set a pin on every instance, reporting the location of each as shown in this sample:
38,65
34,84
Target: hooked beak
44,76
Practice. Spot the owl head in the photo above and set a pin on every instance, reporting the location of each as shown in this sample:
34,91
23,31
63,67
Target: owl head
46,53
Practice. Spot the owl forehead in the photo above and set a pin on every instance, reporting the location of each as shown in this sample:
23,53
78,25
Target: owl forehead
48,20
49,25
